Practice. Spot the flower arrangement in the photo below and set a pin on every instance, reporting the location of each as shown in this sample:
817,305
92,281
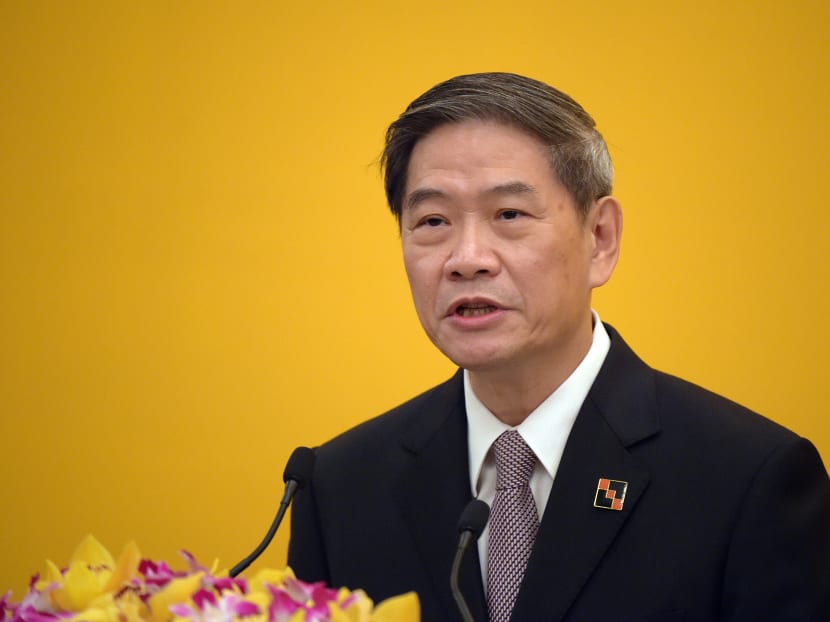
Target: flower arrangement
97,588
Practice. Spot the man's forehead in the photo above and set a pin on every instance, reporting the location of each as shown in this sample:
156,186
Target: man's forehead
427,193
475,144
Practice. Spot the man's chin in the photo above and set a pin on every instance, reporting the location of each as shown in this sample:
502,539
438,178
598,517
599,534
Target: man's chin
478,361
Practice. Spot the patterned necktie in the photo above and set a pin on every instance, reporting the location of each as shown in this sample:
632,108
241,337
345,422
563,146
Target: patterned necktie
513,524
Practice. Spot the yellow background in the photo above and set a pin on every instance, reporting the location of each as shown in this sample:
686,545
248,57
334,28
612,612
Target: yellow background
199,272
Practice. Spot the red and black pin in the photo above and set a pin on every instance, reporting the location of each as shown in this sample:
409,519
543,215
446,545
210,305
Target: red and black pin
610,494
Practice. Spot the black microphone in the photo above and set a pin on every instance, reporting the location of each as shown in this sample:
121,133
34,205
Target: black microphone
296,475
470,525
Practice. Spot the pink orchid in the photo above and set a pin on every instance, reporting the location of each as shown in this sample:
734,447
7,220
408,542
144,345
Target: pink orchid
94,587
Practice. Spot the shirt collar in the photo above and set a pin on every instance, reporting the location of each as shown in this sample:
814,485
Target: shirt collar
546,429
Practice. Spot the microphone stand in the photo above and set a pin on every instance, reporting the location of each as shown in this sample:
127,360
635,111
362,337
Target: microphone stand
297,473
470,525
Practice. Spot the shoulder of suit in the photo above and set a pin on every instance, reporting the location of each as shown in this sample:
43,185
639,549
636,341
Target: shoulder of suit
418,413
696,417
678,405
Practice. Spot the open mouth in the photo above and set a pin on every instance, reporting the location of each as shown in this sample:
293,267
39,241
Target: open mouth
474,310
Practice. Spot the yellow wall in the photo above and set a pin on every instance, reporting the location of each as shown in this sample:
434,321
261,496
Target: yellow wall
198,271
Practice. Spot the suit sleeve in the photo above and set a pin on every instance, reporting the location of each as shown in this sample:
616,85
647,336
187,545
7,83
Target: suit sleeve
778,563
306,552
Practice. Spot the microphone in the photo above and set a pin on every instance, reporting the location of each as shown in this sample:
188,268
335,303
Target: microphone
296,475
470,525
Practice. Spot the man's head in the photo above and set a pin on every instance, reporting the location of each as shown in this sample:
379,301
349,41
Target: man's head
577,151
500,253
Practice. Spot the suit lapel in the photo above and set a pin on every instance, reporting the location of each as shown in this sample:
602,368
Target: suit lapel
434,490
574,535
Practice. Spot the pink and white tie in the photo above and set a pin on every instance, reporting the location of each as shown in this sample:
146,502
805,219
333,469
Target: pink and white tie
513,524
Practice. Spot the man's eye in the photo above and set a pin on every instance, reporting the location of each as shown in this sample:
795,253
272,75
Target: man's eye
510,214
432,221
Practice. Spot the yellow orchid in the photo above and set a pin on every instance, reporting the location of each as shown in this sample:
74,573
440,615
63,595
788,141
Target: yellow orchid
127,607
177,591
96,588
403,608
92,572
269,576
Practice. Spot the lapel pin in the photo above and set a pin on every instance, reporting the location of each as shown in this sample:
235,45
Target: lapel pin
610,494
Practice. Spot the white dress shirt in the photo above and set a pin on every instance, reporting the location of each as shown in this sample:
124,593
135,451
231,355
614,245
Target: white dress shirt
545,430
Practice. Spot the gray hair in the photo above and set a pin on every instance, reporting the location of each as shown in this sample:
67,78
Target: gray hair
578,153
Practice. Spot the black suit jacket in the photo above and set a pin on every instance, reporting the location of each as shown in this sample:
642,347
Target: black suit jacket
726,517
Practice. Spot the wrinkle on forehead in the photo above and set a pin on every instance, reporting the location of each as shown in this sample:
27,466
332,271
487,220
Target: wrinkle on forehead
510,188
474,158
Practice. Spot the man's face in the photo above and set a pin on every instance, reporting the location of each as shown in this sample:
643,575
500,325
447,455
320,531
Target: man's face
499,263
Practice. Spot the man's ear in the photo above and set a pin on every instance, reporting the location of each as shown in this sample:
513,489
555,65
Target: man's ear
605,223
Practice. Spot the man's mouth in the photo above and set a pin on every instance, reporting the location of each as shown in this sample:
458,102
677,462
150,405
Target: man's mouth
474,309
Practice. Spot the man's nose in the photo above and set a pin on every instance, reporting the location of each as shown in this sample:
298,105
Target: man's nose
472,254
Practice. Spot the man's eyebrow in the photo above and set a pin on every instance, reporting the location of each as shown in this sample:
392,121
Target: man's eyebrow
509,188
512,187
420,195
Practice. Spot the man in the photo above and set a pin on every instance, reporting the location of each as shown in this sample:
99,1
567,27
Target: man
642,497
